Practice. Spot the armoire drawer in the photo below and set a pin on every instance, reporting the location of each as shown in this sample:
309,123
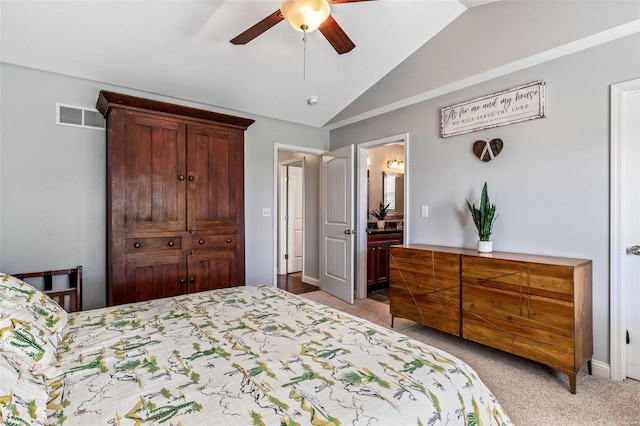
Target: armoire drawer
208,242
153,244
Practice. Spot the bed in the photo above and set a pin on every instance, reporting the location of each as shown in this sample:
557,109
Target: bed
252,355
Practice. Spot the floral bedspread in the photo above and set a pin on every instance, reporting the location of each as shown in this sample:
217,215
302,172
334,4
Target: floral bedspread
255,355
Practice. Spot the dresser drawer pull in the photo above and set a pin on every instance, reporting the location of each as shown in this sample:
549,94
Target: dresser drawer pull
171,244
192,178
180,177
192,280
228,240
137,245
201,241
181,282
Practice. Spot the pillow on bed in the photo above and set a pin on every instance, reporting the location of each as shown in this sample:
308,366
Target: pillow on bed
23,394
31,323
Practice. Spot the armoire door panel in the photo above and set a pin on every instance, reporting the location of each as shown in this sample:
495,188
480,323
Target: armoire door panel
153,277
215,183
209,271
154,175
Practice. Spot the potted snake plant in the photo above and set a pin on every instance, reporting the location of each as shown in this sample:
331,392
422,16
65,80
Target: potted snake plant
483,217
380,214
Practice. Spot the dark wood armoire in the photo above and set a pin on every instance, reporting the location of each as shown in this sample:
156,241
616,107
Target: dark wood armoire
175,198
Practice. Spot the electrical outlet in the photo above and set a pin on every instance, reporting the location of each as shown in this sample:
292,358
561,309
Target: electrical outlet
266,211
424,211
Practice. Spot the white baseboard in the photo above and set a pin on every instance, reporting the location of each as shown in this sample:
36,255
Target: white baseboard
599,368
309,280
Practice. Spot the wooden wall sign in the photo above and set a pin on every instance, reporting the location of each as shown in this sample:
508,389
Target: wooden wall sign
497,109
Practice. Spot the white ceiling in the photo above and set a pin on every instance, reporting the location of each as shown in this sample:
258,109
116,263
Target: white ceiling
181,49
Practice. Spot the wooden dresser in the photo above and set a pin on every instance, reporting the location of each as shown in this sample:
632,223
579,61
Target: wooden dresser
175,202
537,307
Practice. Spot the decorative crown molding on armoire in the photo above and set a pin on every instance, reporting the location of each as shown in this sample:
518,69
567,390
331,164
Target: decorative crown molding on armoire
175,198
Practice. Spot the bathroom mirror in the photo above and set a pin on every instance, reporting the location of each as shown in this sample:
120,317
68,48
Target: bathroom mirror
393,193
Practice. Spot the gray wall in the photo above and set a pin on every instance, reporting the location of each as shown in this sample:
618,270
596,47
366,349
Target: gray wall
53,187
551,181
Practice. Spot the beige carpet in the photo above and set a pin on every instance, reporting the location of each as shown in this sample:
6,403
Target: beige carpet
530,393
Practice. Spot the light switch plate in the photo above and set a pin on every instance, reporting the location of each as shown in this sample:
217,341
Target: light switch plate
424,211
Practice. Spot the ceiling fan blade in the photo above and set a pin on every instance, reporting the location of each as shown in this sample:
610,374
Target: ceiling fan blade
259,28
336,36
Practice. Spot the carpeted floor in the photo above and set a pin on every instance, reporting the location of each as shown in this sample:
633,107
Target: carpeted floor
530,393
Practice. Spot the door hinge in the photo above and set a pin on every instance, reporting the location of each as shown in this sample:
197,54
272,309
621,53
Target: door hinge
286,256
628,340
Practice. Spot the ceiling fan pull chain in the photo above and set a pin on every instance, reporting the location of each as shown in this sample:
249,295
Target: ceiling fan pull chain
304,52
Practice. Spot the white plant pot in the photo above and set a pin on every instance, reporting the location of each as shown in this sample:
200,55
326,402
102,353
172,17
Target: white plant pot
485,246
381,224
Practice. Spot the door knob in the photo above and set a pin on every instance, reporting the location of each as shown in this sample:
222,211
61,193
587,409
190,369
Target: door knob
347,231
635,250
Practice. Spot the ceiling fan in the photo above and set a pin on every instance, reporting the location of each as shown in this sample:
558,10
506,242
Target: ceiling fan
305,16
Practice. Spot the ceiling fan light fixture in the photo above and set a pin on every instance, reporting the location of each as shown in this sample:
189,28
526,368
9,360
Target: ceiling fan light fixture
305,15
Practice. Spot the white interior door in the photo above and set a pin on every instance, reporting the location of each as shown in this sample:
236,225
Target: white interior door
630,227
337,230
294,219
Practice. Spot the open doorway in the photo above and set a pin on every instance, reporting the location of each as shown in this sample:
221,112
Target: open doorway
381,182
291,217
296,216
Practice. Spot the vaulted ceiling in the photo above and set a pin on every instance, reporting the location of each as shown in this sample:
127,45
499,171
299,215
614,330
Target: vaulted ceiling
181,48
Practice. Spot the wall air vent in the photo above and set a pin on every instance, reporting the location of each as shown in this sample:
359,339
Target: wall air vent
68,115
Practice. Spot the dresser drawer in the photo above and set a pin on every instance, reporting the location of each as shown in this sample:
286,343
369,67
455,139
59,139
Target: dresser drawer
154,244
532,311
552,281
424,287
208,242
549,348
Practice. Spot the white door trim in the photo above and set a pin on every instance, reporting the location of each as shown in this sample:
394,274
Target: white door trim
618,315
282,147
362,215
